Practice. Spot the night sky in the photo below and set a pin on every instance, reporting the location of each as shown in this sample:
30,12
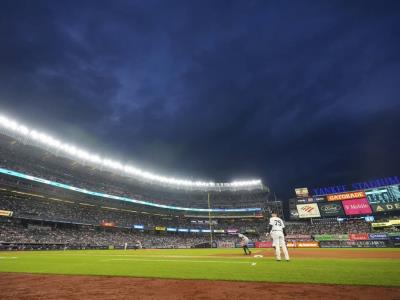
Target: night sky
298,93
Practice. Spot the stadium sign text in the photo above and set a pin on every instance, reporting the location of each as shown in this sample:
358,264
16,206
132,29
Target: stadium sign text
346,196
357,186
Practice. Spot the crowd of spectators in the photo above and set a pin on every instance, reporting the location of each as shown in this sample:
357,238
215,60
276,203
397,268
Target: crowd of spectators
35,161
90,236
45,209
329,226
54,212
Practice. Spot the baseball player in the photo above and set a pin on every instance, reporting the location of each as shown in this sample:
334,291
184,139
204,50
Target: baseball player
244,240
277,230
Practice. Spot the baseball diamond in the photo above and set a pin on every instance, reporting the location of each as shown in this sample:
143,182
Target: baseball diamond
199,150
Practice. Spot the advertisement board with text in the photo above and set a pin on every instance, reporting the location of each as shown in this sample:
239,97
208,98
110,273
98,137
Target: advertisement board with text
358,236
346,196
308,210
263,244
385,207
331,209
331,237
356,207
378,236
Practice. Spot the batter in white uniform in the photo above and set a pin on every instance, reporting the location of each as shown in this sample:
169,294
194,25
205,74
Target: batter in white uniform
277,230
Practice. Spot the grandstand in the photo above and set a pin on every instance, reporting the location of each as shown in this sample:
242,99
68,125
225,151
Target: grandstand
52,199
76,201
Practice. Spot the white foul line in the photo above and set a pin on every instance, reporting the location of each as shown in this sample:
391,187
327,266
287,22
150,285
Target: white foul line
178,260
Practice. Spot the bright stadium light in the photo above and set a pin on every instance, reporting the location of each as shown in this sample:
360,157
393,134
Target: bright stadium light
84,155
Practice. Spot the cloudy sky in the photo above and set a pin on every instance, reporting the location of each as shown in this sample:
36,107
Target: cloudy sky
298,93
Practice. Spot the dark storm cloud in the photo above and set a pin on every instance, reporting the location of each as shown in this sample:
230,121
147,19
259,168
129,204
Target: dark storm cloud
298,92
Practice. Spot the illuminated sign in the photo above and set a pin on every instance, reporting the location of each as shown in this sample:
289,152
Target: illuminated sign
301,192
171,229
138,226
206,230
6,213
346,196
331,209
384,195
357,186
194,230
125,199
107,224
384,207
219,230
387,224
183,230
356,207
308,210
160,228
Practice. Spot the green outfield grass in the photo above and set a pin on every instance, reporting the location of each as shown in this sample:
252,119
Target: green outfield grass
207,264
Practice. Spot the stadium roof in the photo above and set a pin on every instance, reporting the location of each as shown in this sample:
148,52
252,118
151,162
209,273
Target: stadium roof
42,139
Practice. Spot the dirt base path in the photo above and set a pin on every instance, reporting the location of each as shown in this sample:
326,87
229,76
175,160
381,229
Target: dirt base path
29,286
325,253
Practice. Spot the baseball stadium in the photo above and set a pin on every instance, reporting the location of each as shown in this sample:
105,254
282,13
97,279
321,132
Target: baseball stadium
77,225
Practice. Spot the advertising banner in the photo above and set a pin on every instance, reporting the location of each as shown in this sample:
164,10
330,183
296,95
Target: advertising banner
171,229
219,230
331,209
356,207
308,210
354,244
358,236
6,213
392,234
226,245
160,228
301,192
307,244
311,199
384,207
302,244
323,237
378,236
319,198
138,226
331,237
298,236
380,224
108,224
232,230
264,244
346,196
386,194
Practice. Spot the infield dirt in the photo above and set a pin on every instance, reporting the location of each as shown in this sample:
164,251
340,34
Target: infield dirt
29,286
